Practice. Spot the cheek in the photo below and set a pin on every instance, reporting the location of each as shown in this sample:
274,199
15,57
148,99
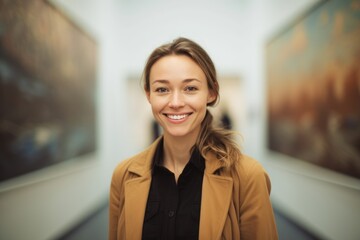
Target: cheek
202,102
156,112
157,104
201,108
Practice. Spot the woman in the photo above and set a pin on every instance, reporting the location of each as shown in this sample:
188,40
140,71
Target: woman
192,182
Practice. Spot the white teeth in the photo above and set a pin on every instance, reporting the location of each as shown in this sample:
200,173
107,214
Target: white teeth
177,117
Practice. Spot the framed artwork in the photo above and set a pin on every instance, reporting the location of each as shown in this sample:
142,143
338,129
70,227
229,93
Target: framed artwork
313,87
48,71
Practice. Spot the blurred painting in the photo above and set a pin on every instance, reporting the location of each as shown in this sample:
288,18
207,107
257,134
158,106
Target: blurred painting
47,88
313,73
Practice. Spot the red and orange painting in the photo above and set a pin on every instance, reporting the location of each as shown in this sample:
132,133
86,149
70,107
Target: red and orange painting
313,77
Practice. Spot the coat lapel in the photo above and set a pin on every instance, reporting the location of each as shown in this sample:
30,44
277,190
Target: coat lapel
215,203
136,192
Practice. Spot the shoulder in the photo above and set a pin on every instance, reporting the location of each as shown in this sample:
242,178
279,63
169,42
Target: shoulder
251,172
126,163
137,165
123,173
136,160
248,165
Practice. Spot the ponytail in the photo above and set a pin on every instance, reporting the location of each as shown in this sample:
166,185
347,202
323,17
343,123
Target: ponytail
218,141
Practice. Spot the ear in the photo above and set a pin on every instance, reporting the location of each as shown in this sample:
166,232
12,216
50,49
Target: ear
211,97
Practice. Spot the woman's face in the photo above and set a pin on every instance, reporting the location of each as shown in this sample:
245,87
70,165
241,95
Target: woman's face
178,95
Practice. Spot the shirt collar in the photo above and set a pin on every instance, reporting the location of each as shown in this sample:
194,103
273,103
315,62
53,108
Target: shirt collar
196,159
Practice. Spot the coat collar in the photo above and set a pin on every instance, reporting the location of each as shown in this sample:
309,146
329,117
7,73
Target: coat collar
142,165
216,196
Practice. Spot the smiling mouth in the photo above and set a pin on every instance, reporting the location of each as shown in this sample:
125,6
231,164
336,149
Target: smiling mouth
177,116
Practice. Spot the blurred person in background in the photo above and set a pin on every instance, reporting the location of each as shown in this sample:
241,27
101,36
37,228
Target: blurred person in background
193,182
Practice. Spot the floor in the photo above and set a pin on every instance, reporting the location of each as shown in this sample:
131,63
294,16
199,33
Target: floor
95,228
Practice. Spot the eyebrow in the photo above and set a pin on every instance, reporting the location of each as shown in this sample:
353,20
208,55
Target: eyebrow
167,81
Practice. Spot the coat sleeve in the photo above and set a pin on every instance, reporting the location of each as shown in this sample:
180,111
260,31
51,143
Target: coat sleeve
256,214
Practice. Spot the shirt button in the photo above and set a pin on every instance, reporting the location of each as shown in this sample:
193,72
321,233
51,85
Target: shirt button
171,213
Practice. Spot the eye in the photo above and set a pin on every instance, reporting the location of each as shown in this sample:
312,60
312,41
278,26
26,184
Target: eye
161,90
191,88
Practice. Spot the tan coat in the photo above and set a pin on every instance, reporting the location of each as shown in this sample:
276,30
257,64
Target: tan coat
234,205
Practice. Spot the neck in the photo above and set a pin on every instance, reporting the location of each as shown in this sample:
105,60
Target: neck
177,153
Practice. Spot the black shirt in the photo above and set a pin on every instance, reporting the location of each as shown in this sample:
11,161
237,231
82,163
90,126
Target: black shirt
173,210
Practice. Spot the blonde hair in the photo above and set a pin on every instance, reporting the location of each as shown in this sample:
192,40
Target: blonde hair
216,140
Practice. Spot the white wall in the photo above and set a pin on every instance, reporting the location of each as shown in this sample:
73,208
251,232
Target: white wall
234,33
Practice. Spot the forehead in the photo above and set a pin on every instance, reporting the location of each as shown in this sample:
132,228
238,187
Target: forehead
176,67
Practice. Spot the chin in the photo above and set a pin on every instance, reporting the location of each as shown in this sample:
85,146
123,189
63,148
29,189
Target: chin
180,133
177,134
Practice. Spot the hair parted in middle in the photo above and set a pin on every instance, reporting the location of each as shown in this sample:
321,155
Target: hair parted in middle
219,141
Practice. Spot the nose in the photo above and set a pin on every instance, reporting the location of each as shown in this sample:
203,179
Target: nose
176,100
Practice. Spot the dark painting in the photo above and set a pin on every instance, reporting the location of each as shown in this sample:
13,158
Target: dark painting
313,72
47,88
